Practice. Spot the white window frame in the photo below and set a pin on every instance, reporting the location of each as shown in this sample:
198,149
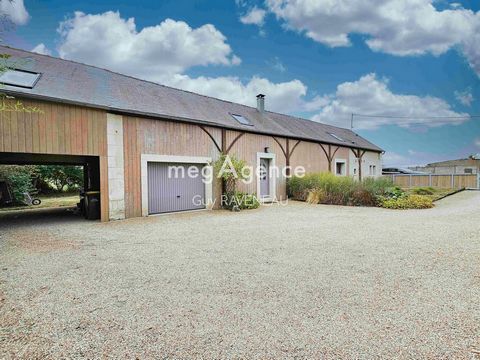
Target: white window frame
272,181
146,158
344,162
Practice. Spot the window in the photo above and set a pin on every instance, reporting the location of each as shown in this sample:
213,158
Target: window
241,119
372,170
336,137
340,167
468,171
19,78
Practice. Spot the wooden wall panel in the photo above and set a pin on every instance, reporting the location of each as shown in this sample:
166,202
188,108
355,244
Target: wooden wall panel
247,147
146,136
60,129
310,156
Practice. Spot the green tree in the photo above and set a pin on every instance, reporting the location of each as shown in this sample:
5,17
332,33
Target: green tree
61,176
18,178
231,169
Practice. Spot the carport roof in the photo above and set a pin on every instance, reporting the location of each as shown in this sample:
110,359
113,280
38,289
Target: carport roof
71,82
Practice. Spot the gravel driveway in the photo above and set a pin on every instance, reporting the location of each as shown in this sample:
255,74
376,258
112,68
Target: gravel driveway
305,281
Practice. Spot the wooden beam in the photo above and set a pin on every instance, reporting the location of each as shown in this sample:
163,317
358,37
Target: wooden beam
285,153
359,155
224,141
233,142
333,155
211,137
328,155
294,146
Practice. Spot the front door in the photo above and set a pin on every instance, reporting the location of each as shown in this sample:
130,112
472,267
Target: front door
264,178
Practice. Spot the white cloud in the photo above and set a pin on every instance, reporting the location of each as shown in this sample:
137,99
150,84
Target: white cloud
110,41
41,49
477,142
464,97
398,27
395,159
164,52
281,97
276,64
255,16
372,96
15,11
471,46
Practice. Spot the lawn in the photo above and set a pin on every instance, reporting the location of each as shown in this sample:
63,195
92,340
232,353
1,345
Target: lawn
50,201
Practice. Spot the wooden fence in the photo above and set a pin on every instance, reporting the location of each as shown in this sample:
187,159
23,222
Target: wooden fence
453,181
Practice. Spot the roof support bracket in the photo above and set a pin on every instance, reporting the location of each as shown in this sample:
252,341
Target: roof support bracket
329,154
211,137
233,142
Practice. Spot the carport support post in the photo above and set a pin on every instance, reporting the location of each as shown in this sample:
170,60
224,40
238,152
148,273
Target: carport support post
116,171
224,152
104,203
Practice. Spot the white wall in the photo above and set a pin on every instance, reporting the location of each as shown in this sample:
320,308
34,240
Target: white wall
370,158
116,172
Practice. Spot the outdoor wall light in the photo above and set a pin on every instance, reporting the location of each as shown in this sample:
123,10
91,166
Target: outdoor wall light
266,149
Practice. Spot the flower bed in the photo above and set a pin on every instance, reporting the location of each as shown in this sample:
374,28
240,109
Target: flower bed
326,188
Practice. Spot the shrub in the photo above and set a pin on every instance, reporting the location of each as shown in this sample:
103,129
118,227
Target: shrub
19,178
315,196
327,188
363,197
394,192
408,202
423,190
230,169
243,201
378,186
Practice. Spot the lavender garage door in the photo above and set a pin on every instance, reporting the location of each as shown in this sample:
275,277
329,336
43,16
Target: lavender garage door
171,189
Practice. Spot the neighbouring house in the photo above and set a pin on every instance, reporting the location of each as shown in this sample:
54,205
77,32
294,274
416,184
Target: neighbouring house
470,165
126,131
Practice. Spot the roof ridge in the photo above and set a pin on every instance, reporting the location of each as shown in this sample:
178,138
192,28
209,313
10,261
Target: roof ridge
169,87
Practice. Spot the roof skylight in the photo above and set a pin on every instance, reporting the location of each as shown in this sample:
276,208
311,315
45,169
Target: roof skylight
336,137
241,119
19,78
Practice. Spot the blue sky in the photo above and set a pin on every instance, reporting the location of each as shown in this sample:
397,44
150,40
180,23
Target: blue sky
310,62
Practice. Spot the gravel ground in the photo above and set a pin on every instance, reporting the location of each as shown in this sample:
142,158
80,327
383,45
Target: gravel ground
305,281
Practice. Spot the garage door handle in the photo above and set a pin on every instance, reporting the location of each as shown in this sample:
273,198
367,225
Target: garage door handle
178,196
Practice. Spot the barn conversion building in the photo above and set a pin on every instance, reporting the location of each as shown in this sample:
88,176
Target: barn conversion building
125,131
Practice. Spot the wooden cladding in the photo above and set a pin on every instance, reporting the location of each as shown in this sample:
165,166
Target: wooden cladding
59,129
145,136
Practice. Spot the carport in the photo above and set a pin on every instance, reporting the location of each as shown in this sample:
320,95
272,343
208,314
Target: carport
90,164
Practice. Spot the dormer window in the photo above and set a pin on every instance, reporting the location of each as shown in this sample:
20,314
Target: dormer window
19,78
241,119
